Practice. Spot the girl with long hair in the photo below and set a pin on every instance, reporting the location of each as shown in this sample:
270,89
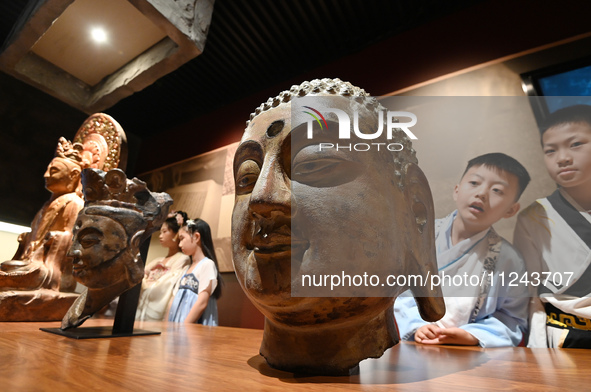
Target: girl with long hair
162,275
200,286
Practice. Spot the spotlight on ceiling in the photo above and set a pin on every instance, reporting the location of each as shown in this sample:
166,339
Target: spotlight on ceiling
47,51
99,35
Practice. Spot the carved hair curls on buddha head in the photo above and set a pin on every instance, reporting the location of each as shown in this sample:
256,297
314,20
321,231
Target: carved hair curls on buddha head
360,98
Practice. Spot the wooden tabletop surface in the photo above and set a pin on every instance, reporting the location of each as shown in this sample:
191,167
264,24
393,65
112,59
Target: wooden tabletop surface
198,358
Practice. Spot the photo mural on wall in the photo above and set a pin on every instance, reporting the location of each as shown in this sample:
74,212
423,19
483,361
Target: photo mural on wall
202,186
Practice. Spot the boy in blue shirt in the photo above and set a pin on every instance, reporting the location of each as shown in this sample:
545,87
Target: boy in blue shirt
484,309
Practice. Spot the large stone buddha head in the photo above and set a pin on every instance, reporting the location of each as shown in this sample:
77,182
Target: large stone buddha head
303,210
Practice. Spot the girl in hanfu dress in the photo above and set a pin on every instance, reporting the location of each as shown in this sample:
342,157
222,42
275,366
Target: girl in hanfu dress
162,275
199,288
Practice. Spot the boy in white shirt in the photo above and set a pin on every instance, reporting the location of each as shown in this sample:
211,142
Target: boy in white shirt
554,236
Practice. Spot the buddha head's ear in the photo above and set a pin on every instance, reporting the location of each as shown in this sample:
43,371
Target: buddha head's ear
135,267
75,172
421,257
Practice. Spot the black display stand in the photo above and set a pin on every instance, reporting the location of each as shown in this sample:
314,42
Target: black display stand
124,316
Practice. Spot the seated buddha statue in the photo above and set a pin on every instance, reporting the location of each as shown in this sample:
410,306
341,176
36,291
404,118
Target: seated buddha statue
37,284
39,260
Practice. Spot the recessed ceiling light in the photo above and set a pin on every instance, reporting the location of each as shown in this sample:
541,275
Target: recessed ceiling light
98,35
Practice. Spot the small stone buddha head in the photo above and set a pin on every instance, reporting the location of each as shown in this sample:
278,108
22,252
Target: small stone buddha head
119,214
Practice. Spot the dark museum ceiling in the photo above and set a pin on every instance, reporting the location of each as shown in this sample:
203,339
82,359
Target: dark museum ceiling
255,44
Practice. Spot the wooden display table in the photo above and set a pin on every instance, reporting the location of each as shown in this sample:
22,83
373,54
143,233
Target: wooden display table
198,358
